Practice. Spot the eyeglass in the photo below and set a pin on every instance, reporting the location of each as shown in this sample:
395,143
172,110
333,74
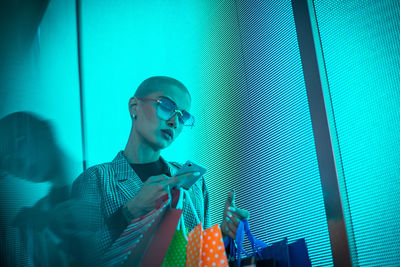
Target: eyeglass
166,109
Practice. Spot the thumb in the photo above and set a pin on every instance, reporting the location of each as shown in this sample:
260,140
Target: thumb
174,181
231,198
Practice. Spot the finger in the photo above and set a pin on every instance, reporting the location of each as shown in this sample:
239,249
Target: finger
234,219
226,230
232,227
158,178
232,235
169,193
168,190
173,182
231,198
188,179
188,174
239,213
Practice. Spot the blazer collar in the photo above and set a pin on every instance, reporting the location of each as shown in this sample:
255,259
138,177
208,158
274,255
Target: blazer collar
127,181
124,171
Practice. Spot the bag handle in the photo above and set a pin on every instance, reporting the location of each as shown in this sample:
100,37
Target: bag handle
184,194
256,244
181,224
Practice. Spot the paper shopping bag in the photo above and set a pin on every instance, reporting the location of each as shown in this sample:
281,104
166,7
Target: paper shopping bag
151,251
206,248
139,231
279,252
298,253
293,254
176,254
161,241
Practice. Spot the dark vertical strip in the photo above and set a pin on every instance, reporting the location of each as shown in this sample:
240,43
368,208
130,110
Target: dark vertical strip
344,196
323,143
81,96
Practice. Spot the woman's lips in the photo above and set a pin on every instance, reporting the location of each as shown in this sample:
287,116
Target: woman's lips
168,134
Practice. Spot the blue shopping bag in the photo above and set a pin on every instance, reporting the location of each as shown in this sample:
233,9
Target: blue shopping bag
279,251
286,255
298,253
280,254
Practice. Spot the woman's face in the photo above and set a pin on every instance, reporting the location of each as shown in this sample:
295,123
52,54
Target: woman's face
153,130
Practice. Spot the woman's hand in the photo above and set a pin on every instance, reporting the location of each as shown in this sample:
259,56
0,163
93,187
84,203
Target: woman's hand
154,188
145,200
232,216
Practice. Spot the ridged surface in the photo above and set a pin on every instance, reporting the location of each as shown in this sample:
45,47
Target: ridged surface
361,48
280,183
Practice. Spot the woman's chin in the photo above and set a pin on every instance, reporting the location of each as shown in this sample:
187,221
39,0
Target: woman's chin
164,143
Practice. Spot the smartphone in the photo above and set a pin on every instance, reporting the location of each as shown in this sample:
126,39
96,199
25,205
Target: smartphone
190,166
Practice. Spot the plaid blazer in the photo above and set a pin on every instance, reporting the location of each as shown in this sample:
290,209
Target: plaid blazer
106,187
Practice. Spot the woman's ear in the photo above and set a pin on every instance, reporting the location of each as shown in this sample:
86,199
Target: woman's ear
132,106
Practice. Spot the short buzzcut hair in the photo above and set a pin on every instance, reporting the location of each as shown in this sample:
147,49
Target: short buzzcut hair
155,83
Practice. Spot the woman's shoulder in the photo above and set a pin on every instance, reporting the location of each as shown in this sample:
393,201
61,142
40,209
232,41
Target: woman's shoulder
91,177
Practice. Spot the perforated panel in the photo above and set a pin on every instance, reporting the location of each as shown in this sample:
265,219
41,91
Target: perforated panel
360,52
280,182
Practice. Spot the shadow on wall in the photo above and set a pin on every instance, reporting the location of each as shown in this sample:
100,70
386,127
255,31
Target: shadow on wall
38,235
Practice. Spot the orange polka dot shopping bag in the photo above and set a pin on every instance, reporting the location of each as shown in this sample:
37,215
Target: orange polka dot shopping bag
205,248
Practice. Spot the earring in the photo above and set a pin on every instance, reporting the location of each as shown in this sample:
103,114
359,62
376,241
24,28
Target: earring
133,117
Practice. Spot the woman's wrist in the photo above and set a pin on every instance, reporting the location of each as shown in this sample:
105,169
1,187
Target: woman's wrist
127,214
131,213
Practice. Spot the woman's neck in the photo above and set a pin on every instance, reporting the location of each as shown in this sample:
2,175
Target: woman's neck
139,152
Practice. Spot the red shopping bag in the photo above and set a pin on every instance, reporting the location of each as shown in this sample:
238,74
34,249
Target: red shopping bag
138,242
158,248
134,240
155,242
206,248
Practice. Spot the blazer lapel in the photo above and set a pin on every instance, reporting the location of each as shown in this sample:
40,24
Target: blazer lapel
126,183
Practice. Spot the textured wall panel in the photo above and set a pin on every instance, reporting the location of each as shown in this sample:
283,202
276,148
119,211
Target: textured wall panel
360,53
280,183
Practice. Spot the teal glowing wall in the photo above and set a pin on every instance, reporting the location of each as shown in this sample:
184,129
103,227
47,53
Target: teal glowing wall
40,76
359,48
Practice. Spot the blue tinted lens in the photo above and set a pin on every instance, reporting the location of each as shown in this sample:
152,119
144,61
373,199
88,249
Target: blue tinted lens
166,109
187,118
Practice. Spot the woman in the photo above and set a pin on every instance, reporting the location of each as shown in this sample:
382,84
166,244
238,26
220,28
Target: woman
128,187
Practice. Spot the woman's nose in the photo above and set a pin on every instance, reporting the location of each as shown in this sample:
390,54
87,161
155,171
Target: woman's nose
173,121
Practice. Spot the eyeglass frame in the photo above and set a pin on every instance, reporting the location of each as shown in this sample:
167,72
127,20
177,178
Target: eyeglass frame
179,111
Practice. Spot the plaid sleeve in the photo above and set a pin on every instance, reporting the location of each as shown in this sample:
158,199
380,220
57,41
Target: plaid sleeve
97,240
92,236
